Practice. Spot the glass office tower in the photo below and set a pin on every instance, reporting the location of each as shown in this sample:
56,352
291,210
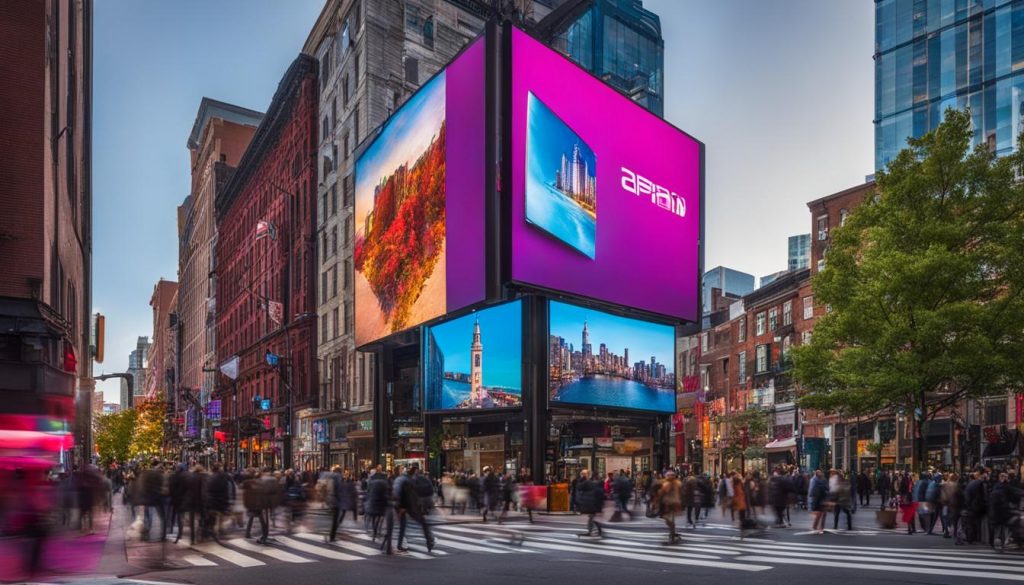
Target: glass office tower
934,54
620,42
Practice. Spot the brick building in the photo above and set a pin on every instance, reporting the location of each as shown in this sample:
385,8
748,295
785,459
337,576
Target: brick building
219,137
46,209
160,375
265,276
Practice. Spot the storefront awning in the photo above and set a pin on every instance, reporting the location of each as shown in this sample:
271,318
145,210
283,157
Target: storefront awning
359,434
1003,448
780,445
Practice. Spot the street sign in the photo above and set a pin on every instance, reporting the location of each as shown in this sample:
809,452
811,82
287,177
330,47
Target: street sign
265,404
272,359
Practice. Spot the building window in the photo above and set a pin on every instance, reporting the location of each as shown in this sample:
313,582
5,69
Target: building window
428,32
334,281
412,70
743,367
348,317
762,359
355,70
821,264
334,199
334,240
787,313
323,248
348,189
323,329
344,90
759,324
743,329
843,214
805,337
355,125
337,322
323,287
809,307
784,351
345,143
822,227
704,341
773,319
345,274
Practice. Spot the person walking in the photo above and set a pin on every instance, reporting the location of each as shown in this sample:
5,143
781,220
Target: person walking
977,505
670,503
491,492
622,490
780,490
408,506
864,488
377,502
817,492
219,495
150,490
691,500
884,485
1000,511
839,491
589,500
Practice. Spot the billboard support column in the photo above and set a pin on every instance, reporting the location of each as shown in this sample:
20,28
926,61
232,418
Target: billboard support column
536,385
381,404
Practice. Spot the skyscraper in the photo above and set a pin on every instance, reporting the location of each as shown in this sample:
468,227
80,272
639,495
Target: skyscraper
729,281
586,347
933,55
799,252
617,40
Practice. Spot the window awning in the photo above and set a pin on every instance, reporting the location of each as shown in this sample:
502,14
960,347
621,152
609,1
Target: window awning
780,445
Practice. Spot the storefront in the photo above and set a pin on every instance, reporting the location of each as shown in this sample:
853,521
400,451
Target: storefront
600,445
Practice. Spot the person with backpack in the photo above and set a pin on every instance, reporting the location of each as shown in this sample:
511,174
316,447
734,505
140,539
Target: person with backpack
920,496
933,495
817,493
407,503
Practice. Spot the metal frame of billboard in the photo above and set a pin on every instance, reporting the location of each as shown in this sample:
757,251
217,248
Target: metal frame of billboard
599,407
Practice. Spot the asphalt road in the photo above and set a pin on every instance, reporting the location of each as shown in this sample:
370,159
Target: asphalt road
551,548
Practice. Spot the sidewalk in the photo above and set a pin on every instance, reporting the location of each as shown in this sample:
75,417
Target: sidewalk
65,552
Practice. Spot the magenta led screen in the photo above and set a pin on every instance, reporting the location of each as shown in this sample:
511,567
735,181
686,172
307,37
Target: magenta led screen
605,195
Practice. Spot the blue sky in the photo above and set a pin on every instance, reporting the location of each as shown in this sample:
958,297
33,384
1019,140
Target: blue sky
501,336
154,62
406,136
642,338
781,92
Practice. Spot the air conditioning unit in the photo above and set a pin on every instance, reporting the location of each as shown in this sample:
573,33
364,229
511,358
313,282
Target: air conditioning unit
822,234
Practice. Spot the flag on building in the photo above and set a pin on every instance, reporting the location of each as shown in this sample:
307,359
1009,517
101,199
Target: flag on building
230,367
265,228
276,311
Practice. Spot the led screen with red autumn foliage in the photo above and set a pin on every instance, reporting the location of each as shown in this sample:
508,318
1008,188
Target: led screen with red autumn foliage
419,205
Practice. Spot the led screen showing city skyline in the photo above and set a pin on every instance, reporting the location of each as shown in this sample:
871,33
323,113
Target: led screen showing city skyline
419,205
587,153
599,359
561,196
475,361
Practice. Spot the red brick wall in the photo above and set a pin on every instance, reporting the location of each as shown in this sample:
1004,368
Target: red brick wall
282,269
22,114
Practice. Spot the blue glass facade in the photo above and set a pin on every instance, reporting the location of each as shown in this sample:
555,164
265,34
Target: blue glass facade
620,42
934,54
728,280
799,253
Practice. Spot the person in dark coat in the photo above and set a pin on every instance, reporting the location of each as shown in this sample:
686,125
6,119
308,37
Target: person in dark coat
193,503
377,501
219,495
884,486
589,500
343,498
622,490
408,506
149,493
491,491
177,486
1000,510
780,489
977,505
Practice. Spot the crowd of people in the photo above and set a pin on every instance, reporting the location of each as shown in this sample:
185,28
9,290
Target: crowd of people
174,500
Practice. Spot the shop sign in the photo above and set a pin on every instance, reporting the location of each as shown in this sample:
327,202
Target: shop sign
862,448
628,446
605,442
616,431
571,461
785,418
588,441
213,412
410,431
415,444
366,425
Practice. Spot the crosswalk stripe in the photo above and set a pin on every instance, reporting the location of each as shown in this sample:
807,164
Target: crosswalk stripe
714,550
342,543
931,562
229,555
267,550
471,544
413,553
966,555
647,549
890,568
646,557
198,561
316,550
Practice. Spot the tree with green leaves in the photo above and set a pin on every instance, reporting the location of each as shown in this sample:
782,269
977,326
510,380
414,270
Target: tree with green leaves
746,433
114,435
924,285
